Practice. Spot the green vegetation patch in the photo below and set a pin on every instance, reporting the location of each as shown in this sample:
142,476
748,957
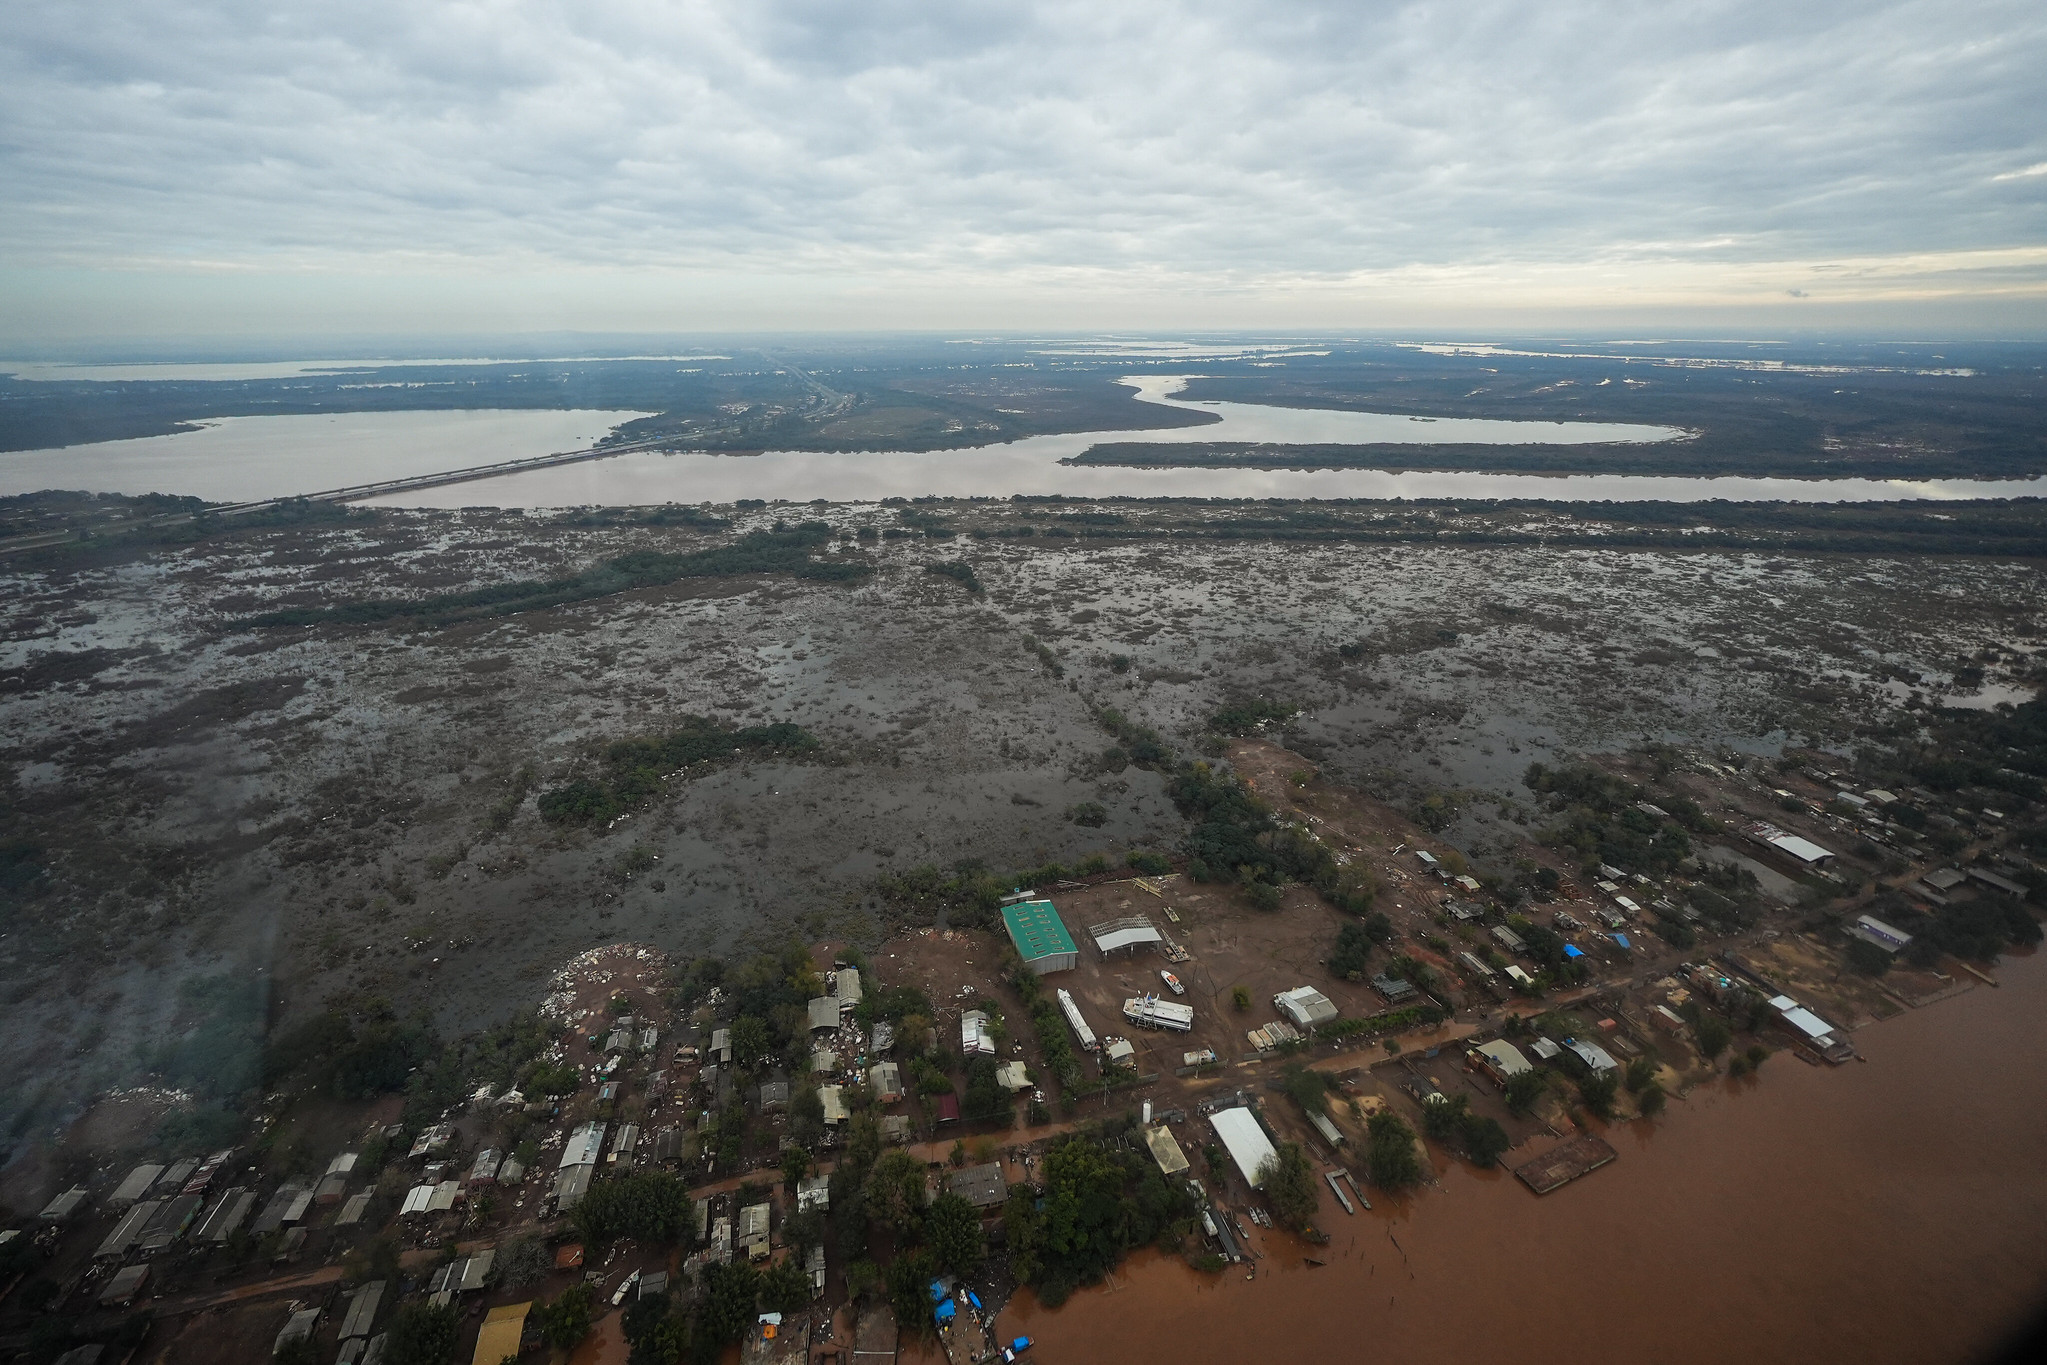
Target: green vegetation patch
1245,717
959,571
1102,1196
784,549
636,768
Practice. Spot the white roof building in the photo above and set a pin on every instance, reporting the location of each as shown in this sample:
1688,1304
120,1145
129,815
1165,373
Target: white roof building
1804,1020
1305,1006
1245,1140
1123,933
1805,850
1503,1057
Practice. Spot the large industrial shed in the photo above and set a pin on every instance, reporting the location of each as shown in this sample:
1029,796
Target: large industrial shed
1040,938
1244,1138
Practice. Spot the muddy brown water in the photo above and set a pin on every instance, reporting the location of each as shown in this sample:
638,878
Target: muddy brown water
1893,1211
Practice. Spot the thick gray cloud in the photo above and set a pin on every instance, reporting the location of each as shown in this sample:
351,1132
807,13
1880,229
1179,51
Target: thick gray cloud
758,151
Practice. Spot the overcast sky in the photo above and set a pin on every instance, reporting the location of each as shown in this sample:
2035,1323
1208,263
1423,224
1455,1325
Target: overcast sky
404,165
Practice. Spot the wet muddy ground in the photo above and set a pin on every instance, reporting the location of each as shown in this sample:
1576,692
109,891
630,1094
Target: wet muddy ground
340,808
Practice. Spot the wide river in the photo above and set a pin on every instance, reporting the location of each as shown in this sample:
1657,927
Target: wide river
242,458
1032,465
1894,1211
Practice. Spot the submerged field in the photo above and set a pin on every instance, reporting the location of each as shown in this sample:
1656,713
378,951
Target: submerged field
351,807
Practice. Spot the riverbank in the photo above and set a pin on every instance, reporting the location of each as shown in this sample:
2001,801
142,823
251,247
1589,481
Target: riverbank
1893,1211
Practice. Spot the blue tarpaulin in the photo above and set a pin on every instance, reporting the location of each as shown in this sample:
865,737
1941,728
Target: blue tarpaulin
944,1311
1573,950
1622,939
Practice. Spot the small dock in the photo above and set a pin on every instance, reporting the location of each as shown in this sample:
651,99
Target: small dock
1336,1188
1560,1165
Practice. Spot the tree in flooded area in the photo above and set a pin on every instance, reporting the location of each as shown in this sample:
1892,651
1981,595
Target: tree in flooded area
1289,1182
564,1323
1390,1157
895,1192
726,1308
421,1334
1597,1091
1450,1121
1524,1088
907,1277
952,1230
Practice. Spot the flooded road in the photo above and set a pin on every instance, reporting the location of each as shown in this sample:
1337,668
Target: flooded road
1894,1211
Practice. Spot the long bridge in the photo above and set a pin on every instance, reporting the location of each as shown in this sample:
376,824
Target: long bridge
351,493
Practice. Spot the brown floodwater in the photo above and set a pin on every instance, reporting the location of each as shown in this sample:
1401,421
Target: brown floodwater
1893,1211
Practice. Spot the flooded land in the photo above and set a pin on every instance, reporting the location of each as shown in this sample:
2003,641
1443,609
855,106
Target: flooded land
614,912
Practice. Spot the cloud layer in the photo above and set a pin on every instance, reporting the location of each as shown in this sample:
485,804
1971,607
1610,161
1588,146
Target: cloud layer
1569,151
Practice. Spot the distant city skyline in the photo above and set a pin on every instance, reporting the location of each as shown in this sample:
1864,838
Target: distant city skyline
219,169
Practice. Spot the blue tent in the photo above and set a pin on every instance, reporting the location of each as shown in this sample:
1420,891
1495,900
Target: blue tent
1622,939
1573,950
944,1312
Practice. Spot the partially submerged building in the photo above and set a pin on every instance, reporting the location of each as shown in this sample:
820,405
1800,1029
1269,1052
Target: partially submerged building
1874,931
982,1186
1817,1033
1499,1059
1591,1056
1243,1137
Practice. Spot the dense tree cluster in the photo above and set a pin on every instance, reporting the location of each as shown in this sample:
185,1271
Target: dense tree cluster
1598,820
1451,1121
1390,1157
649,1206
635,769
785,549
1289,1182
1353,949
1102,1196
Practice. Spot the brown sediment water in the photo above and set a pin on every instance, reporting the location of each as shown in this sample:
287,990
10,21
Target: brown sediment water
606,1344
1888,1211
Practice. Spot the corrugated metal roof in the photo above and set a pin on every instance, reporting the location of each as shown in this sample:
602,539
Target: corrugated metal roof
1037,931
1245,1141
1165,1151
1504,1056
362,1310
